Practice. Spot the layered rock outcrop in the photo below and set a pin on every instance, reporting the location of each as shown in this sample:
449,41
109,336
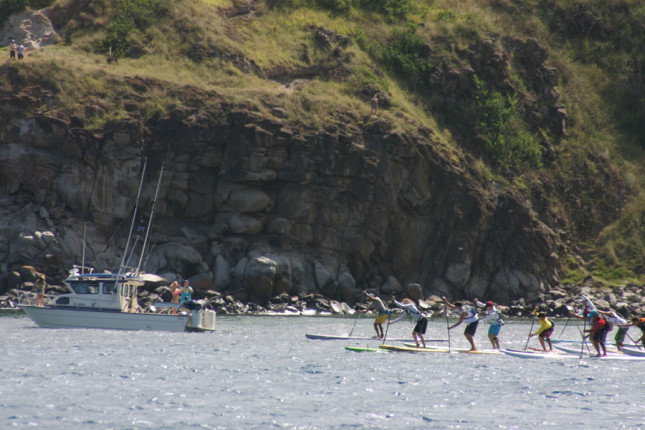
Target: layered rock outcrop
249,201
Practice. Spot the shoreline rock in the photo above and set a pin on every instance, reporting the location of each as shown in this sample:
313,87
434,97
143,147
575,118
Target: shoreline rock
625,301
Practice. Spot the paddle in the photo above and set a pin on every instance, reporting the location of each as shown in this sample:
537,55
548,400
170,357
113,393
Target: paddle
633,341
355,319
584,343
448,328
582,334
567,323
388,326
529,336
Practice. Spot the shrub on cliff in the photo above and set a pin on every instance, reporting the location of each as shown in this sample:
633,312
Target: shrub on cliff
498,121
131,16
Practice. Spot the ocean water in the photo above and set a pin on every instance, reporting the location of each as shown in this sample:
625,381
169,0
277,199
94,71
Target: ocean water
262,373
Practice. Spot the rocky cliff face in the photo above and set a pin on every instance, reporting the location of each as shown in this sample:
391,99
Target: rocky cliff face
252,203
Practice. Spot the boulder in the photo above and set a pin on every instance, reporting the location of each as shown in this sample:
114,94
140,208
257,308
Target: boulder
259,275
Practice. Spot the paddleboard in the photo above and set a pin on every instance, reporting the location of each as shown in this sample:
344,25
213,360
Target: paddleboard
633,352
414,345
535,355
572,350
364,349
346,337
480,351
411,349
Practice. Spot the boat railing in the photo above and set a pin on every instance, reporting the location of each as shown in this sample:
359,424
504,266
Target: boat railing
81,270
30,298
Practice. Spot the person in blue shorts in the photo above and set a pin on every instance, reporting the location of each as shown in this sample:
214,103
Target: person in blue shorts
494,318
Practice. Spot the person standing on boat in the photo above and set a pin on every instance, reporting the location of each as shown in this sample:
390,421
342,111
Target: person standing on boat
176,291
467,315
598,332
494,318
417,316
382,313
545,331
39,289
186,293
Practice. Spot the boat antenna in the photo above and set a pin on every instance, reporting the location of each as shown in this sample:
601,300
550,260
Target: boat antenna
152,213
83,260
134,216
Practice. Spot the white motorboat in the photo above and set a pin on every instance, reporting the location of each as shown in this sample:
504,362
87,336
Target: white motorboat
109,301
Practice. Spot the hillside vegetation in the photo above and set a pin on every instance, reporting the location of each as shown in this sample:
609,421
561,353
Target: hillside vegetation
319,58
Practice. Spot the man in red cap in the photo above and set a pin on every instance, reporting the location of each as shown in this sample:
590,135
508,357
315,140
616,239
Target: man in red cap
494,318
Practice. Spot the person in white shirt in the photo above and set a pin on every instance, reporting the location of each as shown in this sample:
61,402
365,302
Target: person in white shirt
494,318
467,315
417,316
615,319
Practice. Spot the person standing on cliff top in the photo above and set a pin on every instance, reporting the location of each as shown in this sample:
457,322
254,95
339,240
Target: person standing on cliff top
21,51
467,315
12,50
374,104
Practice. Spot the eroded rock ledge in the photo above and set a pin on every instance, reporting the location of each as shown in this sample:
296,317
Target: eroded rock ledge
253,203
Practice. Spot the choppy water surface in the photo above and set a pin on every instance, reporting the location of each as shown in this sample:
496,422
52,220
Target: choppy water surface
261,372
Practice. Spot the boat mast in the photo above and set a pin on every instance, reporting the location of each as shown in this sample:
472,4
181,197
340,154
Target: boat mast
134,216
152,213
84,234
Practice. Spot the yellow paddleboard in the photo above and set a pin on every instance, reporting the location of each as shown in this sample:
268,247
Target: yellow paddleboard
411,349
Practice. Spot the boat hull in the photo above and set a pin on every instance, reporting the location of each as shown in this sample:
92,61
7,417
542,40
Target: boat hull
57,317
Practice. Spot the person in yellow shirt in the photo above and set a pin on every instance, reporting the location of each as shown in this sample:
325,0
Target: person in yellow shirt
545,330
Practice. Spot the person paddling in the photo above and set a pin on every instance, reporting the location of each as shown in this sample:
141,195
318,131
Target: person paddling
382,313
467,315
640,323
598,332
615,319
545,331
494,318
417,316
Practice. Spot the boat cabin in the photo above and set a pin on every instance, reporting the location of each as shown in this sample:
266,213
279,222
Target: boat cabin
101,291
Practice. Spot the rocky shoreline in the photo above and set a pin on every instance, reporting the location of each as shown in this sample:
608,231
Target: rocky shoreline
627,300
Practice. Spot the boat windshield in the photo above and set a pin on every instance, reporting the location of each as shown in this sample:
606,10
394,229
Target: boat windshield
109,287
85,287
